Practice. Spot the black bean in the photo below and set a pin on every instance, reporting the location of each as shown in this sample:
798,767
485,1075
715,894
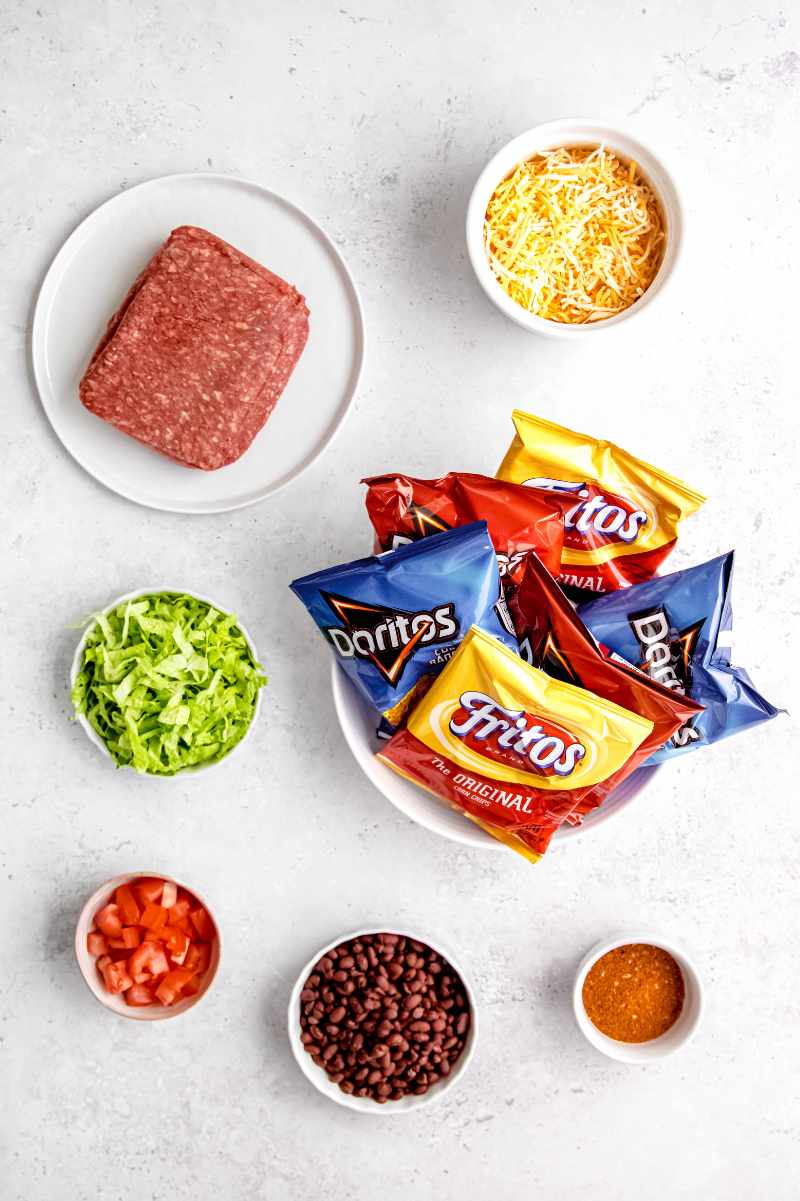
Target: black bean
384,1008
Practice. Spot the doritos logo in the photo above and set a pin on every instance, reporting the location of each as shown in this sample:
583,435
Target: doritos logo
423,523
549,656
386,637
666,657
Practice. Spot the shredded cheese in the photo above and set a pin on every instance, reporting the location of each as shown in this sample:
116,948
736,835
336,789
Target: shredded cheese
574,235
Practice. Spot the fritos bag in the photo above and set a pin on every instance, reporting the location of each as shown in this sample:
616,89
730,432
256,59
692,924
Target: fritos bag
513,749
403,509
621,515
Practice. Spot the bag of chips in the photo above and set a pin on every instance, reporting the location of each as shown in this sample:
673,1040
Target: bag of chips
621,515
676,629
520,520
509,746
553,637
394,620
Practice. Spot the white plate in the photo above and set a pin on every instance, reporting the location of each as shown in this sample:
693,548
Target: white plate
91,274
358,726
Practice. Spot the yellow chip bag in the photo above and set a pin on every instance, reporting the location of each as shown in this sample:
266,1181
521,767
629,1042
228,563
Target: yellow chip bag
509,746
621,515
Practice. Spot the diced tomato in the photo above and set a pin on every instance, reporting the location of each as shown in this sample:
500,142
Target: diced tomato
202,924
149,890
177,943
96,943
180,911
153,953
116,977
108,920
197,958
147,962
140,994
153,917
172,985
127,904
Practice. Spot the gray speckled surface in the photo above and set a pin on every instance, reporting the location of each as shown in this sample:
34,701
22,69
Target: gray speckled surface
377,118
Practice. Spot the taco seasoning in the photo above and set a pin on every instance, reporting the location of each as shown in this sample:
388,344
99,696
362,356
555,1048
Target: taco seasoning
634,993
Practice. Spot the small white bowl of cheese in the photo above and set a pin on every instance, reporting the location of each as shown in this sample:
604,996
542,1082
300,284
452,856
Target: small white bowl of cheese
565,253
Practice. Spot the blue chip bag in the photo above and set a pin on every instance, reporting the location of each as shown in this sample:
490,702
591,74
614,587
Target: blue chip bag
394,620
674,628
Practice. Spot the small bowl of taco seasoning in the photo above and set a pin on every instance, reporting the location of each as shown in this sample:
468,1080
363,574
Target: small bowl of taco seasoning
573,227
637,998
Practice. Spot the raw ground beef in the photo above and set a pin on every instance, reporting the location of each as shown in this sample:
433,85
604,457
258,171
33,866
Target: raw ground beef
197,355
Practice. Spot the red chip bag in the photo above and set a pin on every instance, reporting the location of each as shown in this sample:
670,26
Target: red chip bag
553,638
520,519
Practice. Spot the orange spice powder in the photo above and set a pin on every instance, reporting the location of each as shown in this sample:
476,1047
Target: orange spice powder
634,993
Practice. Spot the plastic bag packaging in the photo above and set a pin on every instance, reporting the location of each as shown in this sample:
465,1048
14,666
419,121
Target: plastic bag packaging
394,620
676,629
510,747
621,515
403,509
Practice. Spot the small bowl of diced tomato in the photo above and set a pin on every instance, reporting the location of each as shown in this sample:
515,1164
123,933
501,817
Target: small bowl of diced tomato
147,946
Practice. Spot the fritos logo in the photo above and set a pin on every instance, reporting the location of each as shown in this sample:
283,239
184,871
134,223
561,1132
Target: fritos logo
514,737
598,515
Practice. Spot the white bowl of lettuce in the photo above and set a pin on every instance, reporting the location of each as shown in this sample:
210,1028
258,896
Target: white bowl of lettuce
166,682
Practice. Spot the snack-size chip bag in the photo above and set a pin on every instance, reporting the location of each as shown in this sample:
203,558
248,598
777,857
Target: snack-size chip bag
403,509
394,620
677,629
509,746
621,515
553,637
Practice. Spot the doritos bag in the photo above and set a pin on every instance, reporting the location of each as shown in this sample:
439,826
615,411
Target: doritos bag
403,509
510,747
553,637
394,620
675,629
621,515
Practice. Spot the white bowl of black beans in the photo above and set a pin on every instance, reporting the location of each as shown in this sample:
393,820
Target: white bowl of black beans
382,1021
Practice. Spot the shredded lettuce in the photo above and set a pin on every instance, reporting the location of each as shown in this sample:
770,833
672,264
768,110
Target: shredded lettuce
167,682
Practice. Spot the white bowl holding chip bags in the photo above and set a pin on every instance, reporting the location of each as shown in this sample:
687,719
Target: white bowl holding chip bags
571,133
359,722
77,660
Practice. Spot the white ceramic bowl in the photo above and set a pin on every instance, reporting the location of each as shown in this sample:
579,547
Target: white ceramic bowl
571,132
676,1037
319,1078
357,721
94,737
88,963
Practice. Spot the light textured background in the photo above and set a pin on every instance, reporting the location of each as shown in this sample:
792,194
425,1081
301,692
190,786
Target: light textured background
377,118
